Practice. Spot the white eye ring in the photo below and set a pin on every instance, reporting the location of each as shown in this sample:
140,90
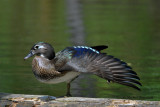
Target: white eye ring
38,47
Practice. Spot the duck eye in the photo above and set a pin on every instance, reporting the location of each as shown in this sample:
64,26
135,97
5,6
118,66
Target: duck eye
36,47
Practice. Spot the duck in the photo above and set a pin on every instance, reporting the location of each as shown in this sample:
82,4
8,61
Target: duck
66,65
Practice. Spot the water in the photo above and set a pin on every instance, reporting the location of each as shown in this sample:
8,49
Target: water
23,23
130,28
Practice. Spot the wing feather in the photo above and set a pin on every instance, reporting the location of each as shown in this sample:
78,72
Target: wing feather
89,60
107,67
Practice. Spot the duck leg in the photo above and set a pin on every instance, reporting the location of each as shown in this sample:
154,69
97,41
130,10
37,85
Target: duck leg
69,86
68,90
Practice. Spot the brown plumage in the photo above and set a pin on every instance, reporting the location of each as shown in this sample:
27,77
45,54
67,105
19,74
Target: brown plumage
44,69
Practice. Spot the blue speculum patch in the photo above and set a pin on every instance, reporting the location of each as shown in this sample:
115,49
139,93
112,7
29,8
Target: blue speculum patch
81,50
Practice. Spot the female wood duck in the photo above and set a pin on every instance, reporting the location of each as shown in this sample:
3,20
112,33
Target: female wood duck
67,64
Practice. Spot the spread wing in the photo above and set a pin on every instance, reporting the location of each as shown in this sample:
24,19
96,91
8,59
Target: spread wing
89,60
65,55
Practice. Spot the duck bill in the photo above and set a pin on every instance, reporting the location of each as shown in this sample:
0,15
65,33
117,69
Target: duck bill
29,55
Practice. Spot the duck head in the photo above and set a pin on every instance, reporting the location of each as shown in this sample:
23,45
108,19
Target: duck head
41,49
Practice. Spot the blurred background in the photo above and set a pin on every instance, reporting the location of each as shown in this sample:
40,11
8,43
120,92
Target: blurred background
131,29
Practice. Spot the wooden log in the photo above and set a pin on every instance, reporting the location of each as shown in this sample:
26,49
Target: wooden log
22,100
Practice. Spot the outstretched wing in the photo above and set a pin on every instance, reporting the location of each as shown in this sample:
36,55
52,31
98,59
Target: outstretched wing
65,55
89,60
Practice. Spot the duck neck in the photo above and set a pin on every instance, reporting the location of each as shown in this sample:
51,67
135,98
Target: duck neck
50,54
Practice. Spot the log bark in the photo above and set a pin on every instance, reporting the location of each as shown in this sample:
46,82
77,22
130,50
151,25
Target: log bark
22,100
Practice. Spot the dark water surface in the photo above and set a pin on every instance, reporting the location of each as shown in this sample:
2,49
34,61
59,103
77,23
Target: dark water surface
131,28
23,23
